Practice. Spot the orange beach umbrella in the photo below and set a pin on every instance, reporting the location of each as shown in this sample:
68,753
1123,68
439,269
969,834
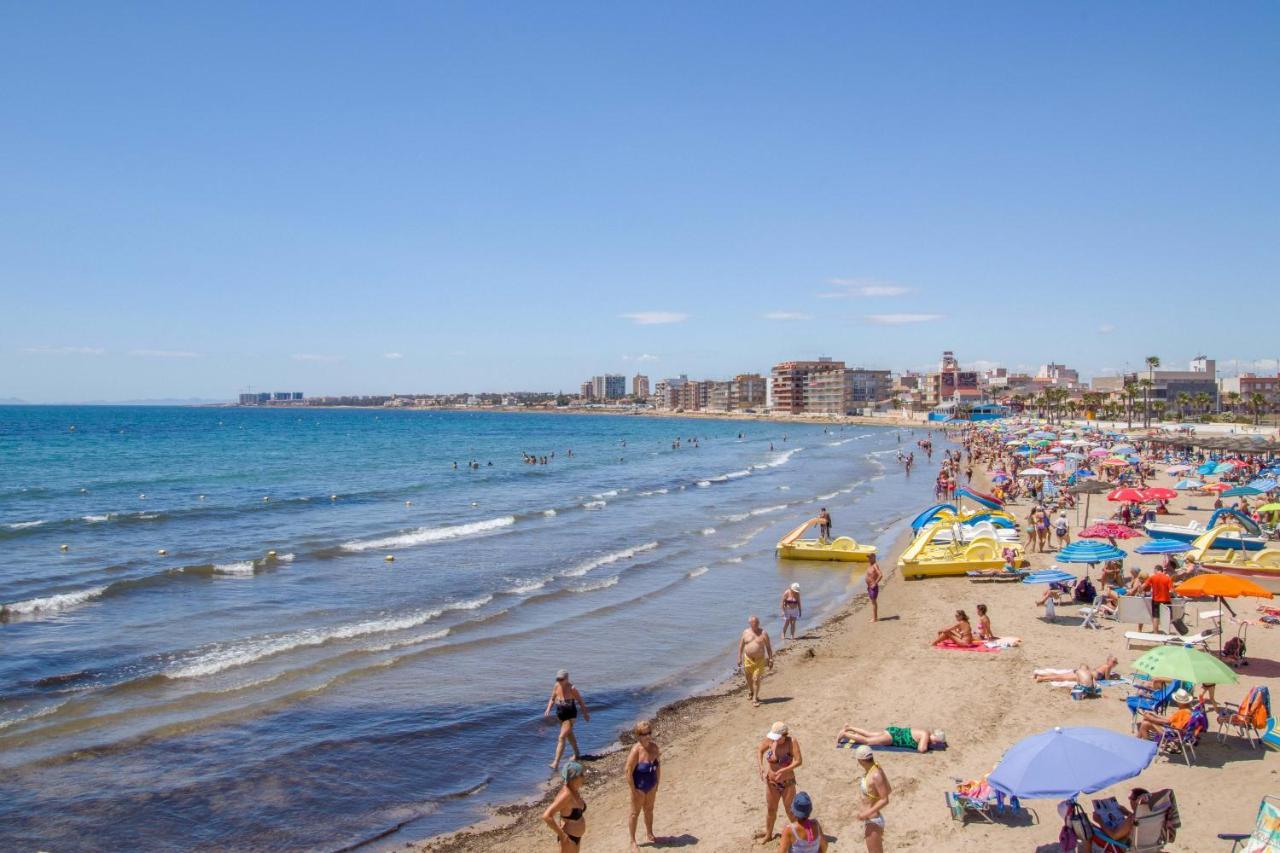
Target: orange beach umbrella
1221,586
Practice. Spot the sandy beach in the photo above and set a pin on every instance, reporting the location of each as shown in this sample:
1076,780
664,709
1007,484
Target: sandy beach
849,671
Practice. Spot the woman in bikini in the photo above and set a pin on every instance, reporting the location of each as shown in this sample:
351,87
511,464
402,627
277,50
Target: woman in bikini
875,796
961,633
804,835
778,756
570,808
644,772
1082,674
566,699
984,624
791,609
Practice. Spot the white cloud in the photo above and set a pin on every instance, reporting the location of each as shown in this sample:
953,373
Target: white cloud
65,350
1106,329
316,358
901,319
163,353
393,355
787,315
655,318
642,357
855,287
1257,365
981,364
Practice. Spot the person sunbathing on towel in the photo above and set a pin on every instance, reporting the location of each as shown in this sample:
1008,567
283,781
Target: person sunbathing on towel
961,633
1082,674
901,737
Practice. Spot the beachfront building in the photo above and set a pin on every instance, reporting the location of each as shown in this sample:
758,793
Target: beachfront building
610,386
748,391
719,396
826,387
640,386
1058,375
951,384
1238,391
789,382
587,391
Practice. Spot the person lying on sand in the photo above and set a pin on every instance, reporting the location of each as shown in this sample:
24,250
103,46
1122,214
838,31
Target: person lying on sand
902,737
961,633
1082,674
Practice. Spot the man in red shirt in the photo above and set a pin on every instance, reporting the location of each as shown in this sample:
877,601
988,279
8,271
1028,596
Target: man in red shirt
1161,587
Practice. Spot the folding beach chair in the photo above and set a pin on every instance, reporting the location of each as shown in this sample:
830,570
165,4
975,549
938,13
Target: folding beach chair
1251,718
1095,613
1144,696
980,799
1172,741
1265,837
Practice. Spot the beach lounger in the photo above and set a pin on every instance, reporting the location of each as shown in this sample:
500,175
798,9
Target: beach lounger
1094,614
1147,638
981,800
1251,719
1266,830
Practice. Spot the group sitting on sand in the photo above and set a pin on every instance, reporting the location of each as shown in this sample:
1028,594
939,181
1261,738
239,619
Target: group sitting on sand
961,632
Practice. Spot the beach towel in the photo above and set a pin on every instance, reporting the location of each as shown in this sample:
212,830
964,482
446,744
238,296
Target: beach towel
1003,642
952,646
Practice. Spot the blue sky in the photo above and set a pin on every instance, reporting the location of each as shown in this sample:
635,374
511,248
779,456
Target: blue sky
436,197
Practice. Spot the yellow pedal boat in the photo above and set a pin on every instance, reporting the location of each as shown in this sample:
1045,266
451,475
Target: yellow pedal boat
842,549
938,551
1261,567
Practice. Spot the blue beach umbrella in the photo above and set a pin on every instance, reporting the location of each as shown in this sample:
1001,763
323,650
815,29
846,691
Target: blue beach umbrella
1063,763
1188,484
1163,546
1207,468
1224,468
1263,484
1241,492
1049,576
1089,551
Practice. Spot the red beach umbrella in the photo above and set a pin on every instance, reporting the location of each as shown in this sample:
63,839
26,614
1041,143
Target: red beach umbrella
1126,495
1215,487
1159,493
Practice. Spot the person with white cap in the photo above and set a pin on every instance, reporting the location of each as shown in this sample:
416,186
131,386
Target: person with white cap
566,699
875,789
804,835
791,609
778,756
1152,723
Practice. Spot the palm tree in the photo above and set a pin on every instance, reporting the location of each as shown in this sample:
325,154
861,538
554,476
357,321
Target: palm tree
1233,398
1204,402
1153,361
1257,402
1130,395
1158,407
1184,400
1146,385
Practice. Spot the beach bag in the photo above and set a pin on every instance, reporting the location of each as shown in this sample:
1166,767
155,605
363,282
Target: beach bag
1234,648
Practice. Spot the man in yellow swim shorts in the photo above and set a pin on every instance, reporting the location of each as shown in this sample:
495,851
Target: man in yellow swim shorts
756,654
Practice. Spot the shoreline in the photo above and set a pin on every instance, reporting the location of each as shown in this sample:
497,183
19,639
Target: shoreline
687,713
847,671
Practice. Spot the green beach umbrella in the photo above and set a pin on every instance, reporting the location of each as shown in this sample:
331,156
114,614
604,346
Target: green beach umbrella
1181,663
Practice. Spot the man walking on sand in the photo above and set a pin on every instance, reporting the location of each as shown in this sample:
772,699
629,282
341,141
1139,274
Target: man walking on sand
755,653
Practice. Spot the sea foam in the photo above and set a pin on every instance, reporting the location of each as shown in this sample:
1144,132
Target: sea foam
425,535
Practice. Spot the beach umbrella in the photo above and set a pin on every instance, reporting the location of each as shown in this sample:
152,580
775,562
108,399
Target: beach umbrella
1188,484
1121,448
1114,462
1224,468
1065,762
1263,484
1215,487
1099,452
1045,457
1159,493
1126,495
1163,546
1000,478
1088,488
1206,468
1183,663
1108,530
1033,472
1088,551
1058,467
1273,507
1177,469
1073,455
1220,586
1058,449
1049,576
1241,492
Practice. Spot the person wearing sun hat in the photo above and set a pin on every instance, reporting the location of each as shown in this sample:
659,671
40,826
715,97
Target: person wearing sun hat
778,756
791,609
1151,723
804,834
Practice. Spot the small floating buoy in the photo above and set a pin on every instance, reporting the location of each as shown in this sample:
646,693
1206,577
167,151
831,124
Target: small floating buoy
475,503
390,558
73,427
162,552
63,547
141,497
202,497
333,497
84,491
408,503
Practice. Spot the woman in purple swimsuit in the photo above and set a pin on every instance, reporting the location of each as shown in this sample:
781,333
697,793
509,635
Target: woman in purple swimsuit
644,772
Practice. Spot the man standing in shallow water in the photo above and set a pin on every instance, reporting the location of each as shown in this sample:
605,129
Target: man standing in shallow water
755,653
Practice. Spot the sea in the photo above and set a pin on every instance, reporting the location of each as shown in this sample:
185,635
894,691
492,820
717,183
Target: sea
312,629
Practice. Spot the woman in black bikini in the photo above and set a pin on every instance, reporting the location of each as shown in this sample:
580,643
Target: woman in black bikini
566,699
644,772
570,807
779,756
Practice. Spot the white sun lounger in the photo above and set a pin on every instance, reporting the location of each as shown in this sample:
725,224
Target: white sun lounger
1201,639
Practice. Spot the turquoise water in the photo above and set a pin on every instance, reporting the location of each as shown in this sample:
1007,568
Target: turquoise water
212,696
